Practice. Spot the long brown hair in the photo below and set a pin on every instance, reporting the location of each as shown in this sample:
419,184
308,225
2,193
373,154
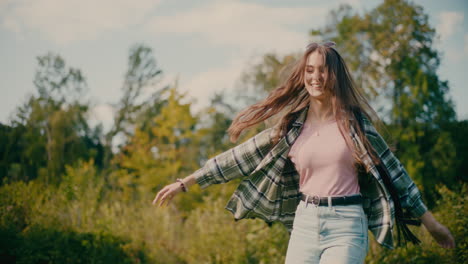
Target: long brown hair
291,96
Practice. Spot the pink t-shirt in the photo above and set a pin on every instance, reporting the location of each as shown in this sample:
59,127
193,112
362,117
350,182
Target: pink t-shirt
324,161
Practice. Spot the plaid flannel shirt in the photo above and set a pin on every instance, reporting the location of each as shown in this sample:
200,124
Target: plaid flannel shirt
270,188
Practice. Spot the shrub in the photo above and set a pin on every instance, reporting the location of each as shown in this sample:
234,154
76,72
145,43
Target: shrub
36,244
451,211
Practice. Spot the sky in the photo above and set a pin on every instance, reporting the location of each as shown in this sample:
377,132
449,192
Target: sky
205,44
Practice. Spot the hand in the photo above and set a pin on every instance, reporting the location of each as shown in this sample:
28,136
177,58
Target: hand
167,193
439,232
442,235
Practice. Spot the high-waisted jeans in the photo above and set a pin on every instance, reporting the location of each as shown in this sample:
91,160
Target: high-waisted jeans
328,234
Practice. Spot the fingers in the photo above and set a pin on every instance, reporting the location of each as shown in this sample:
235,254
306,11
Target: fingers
167,197
164,196
450,242
444,238
160,194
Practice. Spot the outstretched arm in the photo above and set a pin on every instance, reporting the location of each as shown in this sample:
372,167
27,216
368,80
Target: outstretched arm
169,191
408,191
233,163
438,231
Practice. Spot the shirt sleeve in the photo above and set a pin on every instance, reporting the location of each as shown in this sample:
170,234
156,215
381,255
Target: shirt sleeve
236,162
408,193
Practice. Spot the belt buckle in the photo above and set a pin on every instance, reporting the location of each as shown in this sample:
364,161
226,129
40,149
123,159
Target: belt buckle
315,200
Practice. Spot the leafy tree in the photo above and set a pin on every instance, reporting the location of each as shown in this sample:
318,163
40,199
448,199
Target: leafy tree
142,73
390,51
214,122
12,164
262,77
50,129
169,150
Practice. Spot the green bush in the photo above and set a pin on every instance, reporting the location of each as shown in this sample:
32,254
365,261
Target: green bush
451,211
41,245
83,221
77,206
212,236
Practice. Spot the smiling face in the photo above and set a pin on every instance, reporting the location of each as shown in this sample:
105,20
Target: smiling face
315,75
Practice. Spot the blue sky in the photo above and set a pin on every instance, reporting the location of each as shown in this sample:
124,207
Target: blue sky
205,44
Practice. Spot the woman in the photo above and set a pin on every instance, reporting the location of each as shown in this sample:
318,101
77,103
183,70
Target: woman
323,170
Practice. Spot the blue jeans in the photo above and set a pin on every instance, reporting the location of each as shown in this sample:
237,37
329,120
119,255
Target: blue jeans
328,234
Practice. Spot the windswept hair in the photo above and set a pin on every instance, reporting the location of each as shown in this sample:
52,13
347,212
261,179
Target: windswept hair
285,101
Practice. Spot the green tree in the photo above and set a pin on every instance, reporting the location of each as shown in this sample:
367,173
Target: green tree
262,77
50,128
143,73
169,150
214,122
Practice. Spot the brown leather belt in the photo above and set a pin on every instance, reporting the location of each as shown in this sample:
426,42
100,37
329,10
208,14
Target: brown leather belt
338,200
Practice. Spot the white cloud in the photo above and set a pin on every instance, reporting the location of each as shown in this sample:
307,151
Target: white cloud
450,23
203,85
243,25
248,29
72,20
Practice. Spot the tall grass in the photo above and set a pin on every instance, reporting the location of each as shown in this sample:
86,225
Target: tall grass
85,220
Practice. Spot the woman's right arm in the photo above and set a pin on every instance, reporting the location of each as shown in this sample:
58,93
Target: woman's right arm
233,163
169,191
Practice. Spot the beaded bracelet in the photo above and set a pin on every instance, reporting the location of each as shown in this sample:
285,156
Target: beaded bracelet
184,188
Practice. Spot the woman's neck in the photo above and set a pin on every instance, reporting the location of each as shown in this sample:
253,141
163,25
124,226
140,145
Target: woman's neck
319,111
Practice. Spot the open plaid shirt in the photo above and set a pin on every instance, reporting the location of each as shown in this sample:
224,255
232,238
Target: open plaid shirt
270,188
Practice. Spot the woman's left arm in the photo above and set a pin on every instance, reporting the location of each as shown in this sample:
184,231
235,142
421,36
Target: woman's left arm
438,231
408,189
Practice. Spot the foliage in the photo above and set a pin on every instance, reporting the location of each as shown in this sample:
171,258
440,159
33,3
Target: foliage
143,73
264,76
40,245
50,130
168,151
451,211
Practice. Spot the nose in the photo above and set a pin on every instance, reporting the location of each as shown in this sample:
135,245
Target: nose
316,76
